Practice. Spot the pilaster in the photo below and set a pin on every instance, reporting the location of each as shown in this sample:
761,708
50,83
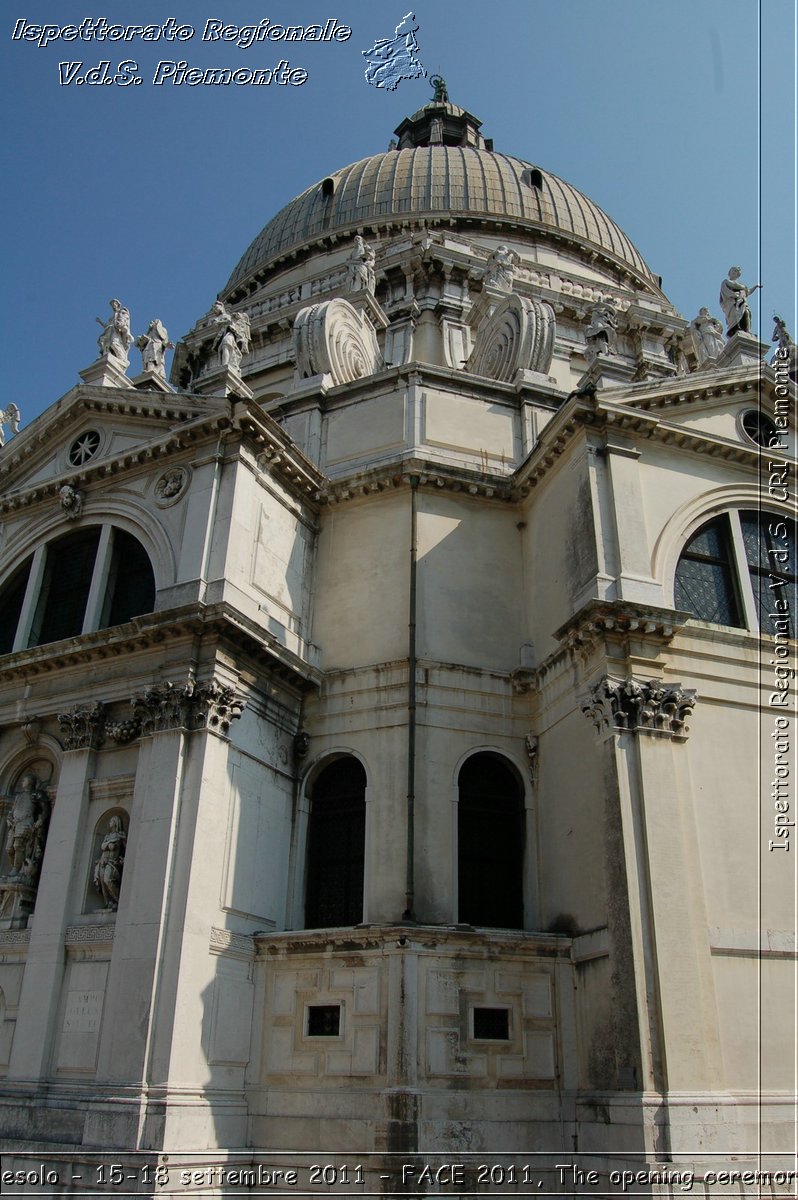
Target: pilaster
82,728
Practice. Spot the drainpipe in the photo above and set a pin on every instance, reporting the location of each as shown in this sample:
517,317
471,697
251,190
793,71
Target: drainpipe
409,913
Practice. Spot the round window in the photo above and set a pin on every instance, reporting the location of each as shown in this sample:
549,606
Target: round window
84,448
760,428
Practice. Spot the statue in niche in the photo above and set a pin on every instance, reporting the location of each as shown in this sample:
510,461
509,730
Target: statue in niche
706,333
153,346
109,865
234,338
26,830
601,334
500,269
734,302
116,339
360,267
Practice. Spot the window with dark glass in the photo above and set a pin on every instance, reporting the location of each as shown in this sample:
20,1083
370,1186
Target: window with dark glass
490,844
769,542
11,599
114,569
492,1024
69,566
131,583
705,578
324,1020
336,846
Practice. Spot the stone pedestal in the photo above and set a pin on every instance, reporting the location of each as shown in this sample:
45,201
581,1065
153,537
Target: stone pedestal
740,350
105,372
224,382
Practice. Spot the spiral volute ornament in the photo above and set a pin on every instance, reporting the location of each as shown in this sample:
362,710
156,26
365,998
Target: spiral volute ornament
333,338
518,336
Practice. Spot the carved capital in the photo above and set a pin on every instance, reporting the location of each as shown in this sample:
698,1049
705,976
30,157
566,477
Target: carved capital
632,706
83,727
187,706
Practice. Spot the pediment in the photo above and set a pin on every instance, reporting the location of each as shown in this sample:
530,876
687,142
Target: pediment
717,404
90,425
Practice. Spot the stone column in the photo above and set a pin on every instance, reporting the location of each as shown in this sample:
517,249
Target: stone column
57,895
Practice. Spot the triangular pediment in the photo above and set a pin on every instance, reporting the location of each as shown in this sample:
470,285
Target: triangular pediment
91,425
715,403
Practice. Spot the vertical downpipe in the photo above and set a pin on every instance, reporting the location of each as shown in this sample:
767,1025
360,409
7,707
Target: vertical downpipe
410,886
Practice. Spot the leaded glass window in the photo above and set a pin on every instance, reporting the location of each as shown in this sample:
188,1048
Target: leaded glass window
705,580
769,542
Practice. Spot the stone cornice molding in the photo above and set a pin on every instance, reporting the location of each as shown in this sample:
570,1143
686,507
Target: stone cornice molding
161,447
470,943
394,476
600,618
604,414
152,630
232,945
277,453
640,706
684,391
83,727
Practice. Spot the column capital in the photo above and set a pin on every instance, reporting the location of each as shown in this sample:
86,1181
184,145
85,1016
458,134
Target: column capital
649,706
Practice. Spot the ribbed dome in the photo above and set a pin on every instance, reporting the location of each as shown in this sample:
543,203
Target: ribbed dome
437,182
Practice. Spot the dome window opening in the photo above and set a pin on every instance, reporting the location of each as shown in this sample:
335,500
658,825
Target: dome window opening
533,178
328,188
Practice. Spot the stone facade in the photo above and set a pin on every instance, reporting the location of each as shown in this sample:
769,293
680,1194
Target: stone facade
415,557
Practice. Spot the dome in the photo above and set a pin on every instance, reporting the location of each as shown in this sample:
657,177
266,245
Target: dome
467,182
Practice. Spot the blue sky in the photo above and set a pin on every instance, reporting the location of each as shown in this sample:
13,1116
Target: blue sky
658,111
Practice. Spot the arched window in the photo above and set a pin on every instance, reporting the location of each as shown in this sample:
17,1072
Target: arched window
336,846
85,580
490,844
740,570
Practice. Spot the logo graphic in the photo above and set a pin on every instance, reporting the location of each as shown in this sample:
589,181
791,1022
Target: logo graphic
390,60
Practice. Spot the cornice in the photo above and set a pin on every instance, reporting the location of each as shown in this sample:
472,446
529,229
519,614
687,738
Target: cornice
153,630
170,443
605,413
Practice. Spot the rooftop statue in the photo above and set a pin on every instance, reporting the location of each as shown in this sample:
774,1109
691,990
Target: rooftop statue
601,334
9,416
500,269
441,95
116,339
234,338
153,346
706,333
733,300
360,274
781,334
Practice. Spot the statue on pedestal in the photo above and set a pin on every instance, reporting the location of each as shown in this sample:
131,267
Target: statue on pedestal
9,416
153,346
360,267
706,333
733,300
116,339
234,338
